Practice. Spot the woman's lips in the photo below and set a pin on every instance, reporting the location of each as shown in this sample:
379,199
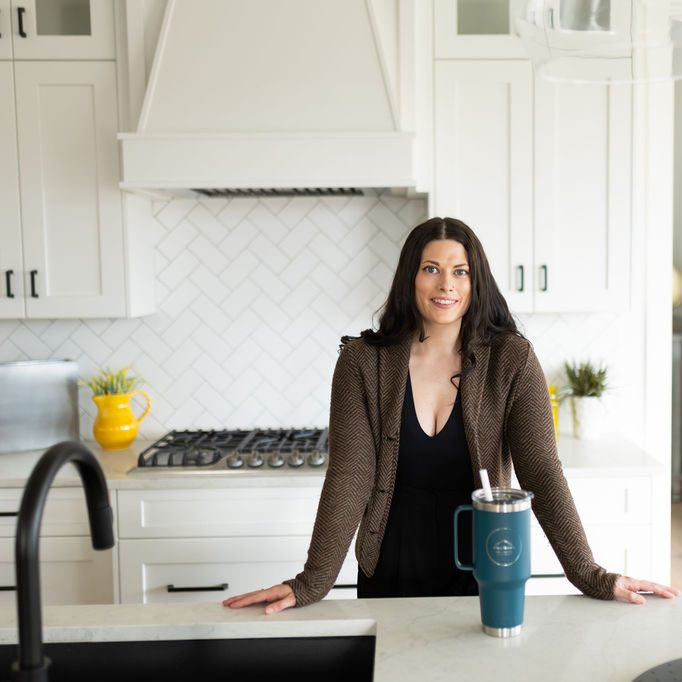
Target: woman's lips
444,303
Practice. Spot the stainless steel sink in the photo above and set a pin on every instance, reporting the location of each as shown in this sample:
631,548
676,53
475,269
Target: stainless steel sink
246,660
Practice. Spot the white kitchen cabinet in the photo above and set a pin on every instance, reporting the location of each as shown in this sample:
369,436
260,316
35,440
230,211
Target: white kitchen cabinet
5,30
71,571
541,172
11,257
583,169
616,513
205,569
70,202
57,29
484,163
206,545
476,29
69,251
466,29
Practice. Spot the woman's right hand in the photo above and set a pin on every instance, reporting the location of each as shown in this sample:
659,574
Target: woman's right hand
278,597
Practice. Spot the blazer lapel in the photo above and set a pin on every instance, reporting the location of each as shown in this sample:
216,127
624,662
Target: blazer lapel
394,362
473,381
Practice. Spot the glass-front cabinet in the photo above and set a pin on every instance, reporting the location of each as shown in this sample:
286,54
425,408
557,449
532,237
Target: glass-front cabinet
487,29
57,29
476,29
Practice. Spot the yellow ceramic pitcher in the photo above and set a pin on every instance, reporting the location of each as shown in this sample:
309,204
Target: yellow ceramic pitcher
116,426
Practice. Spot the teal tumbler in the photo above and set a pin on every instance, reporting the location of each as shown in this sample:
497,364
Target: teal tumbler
501,556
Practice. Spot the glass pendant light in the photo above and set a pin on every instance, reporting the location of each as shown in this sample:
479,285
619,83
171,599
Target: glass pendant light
602,40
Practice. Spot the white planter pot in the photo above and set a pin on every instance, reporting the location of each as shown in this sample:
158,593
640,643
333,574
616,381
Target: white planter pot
589,417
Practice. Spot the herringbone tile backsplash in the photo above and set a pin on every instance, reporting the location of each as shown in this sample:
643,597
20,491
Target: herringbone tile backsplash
253,296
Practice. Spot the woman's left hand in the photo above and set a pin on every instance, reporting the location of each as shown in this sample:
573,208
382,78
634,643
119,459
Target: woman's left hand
629,590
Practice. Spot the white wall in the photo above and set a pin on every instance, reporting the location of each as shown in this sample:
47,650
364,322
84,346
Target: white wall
253,297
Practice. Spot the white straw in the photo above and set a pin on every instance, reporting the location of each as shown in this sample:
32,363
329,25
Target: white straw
487,490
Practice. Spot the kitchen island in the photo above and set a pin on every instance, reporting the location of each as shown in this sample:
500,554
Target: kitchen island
565,638
248,528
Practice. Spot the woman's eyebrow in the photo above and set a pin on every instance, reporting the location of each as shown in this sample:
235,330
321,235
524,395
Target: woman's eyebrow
435,262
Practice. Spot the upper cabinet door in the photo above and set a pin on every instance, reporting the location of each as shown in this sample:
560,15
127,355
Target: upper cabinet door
583,166
572,26
11,264
472,29
484,163
63,29
5,30
70,201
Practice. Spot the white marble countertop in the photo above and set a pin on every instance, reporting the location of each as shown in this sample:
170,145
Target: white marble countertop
608,457
565,638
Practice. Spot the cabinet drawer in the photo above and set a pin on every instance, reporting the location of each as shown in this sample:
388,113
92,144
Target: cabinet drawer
71,572
619,549
149,567
212,513
608,501
65,512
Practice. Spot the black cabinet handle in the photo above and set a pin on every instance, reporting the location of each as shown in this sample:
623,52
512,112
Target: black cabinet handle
20,20
16,513
8,588
8,283
34,292
341,586
519,269
201,588
543,269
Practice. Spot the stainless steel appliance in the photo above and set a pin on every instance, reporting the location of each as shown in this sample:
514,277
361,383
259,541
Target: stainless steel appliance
268,450
38,404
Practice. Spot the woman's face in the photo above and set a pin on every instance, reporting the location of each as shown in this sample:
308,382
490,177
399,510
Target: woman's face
443,284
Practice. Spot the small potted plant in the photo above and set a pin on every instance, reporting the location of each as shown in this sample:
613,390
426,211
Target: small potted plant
116,425
586,385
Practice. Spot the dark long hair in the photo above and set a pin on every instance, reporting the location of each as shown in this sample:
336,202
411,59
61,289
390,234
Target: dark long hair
488,313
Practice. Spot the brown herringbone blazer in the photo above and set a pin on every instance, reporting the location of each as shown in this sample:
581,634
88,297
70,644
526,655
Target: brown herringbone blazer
507,418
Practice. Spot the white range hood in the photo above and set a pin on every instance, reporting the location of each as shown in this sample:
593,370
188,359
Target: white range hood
272,94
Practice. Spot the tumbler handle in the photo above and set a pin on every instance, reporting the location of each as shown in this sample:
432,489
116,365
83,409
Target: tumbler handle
458,563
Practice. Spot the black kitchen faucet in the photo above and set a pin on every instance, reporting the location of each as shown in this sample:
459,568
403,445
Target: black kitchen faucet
32,665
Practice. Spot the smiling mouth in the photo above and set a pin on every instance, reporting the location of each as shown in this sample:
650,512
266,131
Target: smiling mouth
444,301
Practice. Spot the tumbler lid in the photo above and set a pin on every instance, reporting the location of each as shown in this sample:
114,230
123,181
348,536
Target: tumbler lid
504,500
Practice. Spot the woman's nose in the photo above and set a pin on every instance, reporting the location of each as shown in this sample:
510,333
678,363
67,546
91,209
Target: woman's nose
447,282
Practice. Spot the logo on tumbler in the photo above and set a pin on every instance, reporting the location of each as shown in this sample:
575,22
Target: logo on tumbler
503,547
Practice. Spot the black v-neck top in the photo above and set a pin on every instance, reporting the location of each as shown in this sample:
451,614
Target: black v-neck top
434,477
439,462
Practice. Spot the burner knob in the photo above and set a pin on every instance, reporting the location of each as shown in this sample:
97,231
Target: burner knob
276,460
235,461
296,459
255,460
317,459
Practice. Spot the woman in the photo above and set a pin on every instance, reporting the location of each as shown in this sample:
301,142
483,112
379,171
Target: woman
445,387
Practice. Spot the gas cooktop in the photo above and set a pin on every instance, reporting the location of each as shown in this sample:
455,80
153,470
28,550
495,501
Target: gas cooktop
252,450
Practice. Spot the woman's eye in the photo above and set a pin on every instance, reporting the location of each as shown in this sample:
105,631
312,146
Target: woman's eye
460,272
432,269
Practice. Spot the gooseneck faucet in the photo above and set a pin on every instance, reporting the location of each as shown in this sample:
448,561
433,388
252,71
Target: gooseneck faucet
32,666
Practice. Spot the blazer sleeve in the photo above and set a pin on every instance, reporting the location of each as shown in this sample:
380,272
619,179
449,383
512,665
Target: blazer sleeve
347,485
530,433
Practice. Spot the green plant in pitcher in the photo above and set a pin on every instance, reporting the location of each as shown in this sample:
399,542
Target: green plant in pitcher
585,380
108,382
